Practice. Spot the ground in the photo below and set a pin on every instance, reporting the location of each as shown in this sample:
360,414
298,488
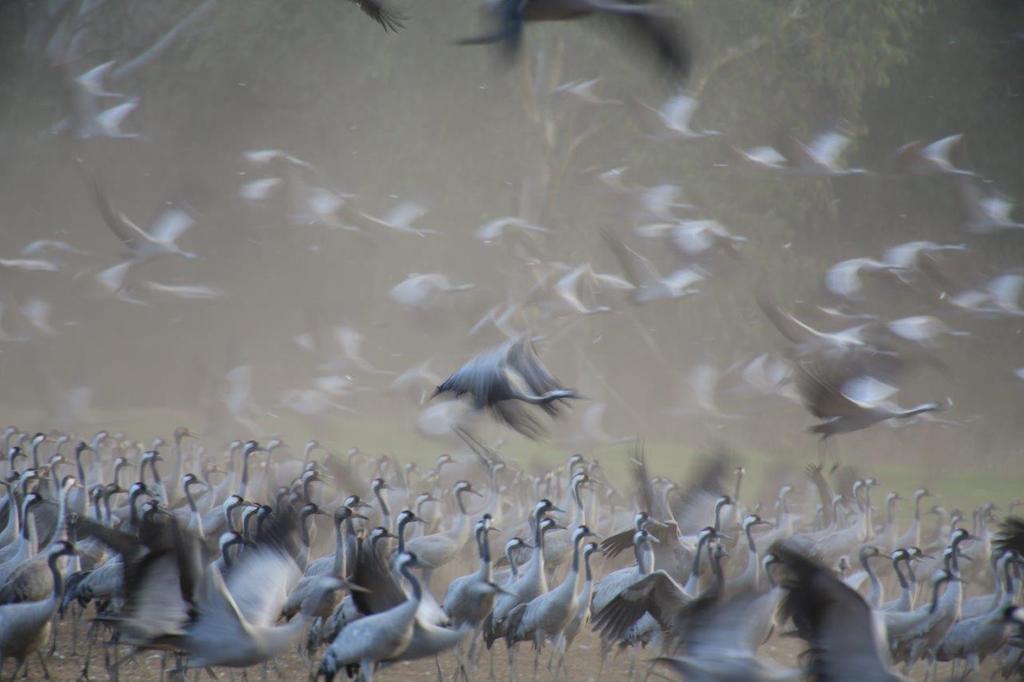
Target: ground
583,664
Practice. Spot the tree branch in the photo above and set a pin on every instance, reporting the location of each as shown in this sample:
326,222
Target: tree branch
754,43
161,45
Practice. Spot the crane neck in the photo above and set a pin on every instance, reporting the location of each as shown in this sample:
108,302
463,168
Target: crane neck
80,468
588,575
484,549
935,597
716,571
575,567
62,503
26,521
385,511
406,520
339,566
736,488
899,574
695,569
414,583
58,579
751,546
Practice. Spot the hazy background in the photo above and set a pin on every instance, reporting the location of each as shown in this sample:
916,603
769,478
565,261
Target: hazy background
410,115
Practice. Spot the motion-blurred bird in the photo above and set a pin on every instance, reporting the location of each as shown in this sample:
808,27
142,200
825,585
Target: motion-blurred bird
820,157
144,245
420,291
650,285
494,229
843,637
502,379
672,121
646,23
935,158
379,12
986,212
401,219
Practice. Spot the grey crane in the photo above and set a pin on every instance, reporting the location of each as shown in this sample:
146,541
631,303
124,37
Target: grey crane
932,158
25,625
581,610
502,379
144,245
750,578
974,639
671,121
377,637
437,549
655,593
31,580
333,565
533,580
547,614
905,602
26,543
844,401
466,598
912,538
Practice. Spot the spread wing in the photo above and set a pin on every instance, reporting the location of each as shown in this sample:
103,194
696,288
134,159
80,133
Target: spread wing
376,10
127,232
638,270
170,225
820,388
833,619
656,593
383,591
260,584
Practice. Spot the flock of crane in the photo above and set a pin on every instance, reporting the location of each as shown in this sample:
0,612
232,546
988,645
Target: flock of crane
230,562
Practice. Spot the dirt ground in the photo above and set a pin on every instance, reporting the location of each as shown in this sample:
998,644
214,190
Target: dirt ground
583,663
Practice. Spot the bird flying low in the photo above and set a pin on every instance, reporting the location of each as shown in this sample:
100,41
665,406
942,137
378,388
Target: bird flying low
503,378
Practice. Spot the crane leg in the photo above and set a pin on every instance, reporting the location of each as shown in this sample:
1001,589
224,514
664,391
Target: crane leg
366,671
511,662
538,641
53,636
604,660
42,663
76,614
